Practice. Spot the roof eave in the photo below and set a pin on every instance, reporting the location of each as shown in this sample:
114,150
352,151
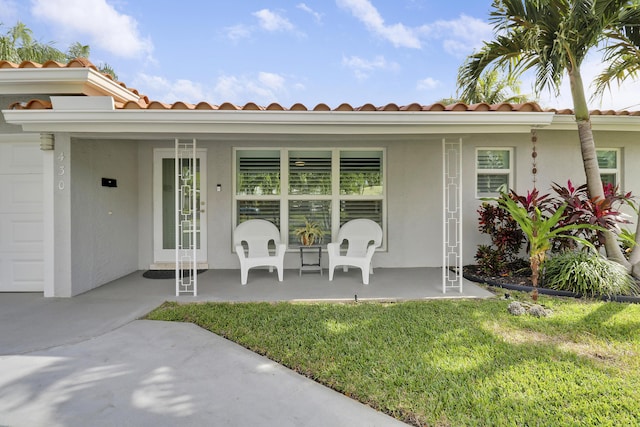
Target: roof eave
299,122
620,123
68,81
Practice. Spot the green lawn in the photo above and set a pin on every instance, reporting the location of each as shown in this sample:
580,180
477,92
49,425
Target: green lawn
451,362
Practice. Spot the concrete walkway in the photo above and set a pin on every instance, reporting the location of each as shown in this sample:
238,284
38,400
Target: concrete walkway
87,360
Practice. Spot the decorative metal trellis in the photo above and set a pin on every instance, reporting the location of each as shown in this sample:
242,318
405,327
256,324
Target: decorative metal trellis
187,224
452,215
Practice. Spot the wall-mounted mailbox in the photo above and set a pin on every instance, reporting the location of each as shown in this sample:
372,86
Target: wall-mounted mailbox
109,182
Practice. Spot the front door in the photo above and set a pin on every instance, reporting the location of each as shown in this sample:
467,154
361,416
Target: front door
164,208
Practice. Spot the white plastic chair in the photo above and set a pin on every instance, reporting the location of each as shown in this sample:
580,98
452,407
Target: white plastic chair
257,233
363,237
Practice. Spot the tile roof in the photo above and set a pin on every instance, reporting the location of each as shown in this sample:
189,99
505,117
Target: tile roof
144,103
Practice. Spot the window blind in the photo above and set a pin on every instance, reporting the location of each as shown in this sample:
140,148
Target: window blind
361,173
259,209
310,173
258,175
354,209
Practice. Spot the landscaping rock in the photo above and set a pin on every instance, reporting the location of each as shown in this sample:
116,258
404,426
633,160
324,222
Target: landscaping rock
518,308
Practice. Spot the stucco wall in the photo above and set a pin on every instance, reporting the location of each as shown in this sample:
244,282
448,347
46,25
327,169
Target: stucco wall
413,205
414,188
558,160
104,221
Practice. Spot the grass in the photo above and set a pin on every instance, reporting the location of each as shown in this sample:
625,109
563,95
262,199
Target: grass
451,362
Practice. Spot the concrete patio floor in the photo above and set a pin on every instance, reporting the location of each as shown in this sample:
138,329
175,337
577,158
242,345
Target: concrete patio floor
29,322
88,360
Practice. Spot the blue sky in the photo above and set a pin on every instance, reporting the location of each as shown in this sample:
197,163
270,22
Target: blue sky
308,51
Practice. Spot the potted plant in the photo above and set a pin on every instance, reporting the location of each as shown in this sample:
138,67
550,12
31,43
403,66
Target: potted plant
311,233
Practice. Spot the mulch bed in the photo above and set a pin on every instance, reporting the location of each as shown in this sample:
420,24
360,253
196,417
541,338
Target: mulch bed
523,283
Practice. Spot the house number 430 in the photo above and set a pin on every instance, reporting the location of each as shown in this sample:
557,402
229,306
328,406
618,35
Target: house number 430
61,171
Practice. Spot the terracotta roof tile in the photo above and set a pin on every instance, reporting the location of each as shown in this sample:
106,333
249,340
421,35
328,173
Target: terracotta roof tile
252,106
274,106
144,102
344,107
228,106
205,106
34,104
458,106
438,106
367,107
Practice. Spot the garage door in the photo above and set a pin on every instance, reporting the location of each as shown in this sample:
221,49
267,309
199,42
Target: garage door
21,247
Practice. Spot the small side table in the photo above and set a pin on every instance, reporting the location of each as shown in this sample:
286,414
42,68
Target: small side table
313,266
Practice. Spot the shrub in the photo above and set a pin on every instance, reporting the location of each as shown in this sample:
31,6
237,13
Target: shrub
588,274
506,238
581,209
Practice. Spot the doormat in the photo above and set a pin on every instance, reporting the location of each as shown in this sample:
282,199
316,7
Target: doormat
166,274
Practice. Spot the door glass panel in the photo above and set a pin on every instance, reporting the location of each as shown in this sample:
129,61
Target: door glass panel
169,200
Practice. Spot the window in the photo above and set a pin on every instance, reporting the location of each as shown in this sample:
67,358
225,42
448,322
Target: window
291,186
609,164
494,171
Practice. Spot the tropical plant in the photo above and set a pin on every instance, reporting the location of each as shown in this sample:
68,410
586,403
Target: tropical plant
311,233
540,231
627,241
581,209
587,273
506,240
18,45
553,37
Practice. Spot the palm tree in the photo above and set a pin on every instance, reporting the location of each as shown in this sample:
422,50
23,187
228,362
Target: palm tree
18,45
492,87
553,37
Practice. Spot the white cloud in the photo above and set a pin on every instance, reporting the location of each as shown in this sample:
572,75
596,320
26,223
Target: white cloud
271,80
8,13
362,68
624,97
238,32
397,34
263,88
460,37
271,21
106,27
428,83
316,15
160,89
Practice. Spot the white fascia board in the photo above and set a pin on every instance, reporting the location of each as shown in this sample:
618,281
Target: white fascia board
263,122
70,81
598,123
82,103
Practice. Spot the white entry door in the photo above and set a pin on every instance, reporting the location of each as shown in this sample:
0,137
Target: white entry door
21,215
164,208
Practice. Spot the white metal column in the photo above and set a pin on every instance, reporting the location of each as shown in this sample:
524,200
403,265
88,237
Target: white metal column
187,232
452,215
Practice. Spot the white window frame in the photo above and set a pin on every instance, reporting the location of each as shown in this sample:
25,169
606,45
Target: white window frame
617,171
510,172
335,197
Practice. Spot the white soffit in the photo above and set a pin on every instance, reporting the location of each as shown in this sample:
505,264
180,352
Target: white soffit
68,81
283,122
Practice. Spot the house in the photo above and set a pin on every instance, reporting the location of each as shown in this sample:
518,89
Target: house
87,173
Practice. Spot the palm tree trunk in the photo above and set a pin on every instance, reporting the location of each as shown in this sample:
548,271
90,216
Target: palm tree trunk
590,159
634,257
